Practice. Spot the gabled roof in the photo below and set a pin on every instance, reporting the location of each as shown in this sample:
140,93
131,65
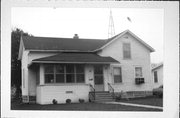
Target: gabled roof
61,44
109,41
75,58
73,45
157,66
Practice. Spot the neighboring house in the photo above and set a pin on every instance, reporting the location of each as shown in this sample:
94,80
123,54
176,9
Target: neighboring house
69,68
157,75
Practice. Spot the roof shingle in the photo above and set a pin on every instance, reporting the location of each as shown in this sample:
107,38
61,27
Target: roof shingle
69,44
77,58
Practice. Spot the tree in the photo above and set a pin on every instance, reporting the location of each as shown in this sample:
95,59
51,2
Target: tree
15,63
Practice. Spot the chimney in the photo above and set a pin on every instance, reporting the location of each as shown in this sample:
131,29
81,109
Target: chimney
76,36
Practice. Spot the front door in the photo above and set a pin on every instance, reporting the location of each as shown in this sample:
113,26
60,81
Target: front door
98,78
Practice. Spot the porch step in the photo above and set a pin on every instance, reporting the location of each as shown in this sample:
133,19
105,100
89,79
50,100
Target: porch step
103,96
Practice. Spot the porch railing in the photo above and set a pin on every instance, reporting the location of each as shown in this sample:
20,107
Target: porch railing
111,90
92,93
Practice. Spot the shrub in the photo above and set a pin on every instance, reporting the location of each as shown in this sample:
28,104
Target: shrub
13,92
81,100
118,97
68,101
54,101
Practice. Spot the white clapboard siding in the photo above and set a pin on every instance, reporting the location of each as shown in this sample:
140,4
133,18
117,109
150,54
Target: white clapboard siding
46,93
140,56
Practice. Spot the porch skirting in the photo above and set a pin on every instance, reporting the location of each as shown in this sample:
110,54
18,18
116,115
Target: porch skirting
46,93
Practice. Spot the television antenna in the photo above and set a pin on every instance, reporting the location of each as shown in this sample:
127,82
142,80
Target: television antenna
111,29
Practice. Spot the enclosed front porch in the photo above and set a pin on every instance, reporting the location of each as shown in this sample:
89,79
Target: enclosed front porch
72,80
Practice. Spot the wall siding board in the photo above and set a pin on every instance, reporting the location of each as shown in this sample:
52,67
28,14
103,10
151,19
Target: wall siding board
140,56
46,93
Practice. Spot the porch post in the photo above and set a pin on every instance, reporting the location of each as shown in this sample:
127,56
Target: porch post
107,76
41,74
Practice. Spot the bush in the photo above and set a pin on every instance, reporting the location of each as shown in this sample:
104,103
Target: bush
81,100
13,92
68,101
118,97
54,101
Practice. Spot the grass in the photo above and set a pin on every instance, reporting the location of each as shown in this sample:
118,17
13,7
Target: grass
153,101
79,107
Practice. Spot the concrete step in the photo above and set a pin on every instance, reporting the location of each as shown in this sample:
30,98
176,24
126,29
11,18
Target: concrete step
103,96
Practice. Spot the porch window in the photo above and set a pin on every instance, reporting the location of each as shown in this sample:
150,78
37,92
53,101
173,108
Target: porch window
60,74
80,74
126,51
138,72
49,74
117,74
64,73
155,77
70,74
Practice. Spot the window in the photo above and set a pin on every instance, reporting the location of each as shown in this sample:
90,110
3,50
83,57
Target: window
117,75
80,74
49,74
64,73
138,72
70,73
139,75
60,75
126,51
155,77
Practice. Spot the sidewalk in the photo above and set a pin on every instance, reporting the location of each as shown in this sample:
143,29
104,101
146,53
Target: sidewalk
136,105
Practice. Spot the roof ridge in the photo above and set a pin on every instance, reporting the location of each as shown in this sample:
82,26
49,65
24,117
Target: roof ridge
65,38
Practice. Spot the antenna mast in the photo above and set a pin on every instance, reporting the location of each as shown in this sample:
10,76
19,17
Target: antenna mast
111,30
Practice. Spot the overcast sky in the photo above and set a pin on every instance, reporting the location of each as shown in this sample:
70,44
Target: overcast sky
147,24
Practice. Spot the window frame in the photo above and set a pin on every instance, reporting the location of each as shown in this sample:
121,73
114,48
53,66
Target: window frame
123,50
155,79
141,71
65,74
121,80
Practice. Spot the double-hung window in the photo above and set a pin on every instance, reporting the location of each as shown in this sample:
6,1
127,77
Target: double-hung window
155,77
139,75
126,51
117,74
138,72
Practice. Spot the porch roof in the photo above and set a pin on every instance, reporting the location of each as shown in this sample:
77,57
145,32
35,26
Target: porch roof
76,58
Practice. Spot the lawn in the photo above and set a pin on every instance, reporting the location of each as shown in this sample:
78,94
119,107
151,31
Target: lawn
79,107
153,101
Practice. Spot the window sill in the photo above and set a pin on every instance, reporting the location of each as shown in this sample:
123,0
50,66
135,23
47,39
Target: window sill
63,84
127,59
117,83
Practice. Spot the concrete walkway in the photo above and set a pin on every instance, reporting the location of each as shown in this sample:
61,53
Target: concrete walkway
136,105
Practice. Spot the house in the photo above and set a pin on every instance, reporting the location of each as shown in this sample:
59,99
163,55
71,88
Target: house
157,75
74,68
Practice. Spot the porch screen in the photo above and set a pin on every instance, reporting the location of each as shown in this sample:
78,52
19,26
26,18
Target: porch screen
117,74
64,73
98,74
